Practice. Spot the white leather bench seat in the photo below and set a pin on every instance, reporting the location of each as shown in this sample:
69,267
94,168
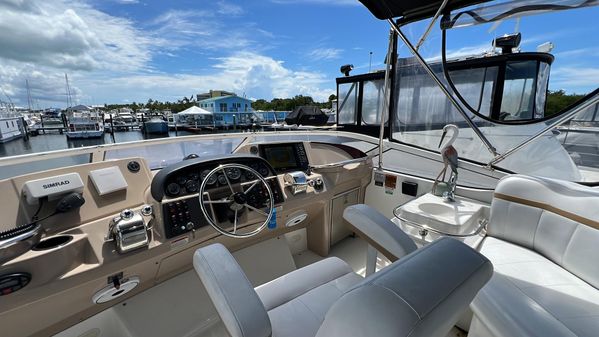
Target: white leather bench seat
530,295
297,302
544,245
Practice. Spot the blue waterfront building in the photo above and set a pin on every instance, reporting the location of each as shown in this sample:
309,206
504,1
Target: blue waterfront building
229,110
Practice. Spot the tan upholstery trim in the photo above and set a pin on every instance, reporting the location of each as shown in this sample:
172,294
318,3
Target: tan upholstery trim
549,208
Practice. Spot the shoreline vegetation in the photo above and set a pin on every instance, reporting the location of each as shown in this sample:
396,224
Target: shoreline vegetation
276,104
556,101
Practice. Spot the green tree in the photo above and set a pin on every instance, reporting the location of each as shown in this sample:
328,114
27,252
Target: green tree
559,100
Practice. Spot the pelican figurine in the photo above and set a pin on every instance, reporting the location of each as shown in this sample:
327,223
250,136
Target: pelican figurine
450,158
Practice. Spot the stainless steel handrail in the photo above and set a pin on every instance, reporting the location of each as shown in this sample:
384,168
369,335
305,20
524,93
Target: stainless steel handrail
343,162
444,89
557,122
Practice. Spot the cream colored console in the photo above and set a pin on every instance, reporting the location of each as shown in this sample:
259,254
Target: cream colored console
77,263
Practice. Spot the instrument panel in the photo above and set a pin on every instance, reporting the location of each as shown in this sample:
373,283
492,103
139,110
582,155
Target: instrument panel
177,188
189,180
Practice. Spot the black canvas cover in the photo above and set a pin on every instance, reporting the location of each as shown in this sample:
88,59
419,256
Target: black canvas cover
412,10
307,115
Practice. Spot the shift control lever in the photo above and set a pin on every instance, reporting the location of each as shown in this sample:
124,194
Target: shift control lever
129,230
297,181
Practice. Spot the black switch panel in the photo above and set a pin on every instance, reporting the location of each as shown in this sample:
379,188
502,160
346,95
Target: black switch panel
182,216
409,188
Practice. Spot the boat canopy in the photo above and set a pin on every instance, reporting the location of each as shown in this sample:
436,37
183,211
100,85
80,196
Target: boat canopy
307,115
194,110
412,10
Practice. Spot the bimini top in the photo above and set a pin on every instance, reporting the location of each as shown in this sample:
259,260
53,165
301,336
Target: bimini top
412,10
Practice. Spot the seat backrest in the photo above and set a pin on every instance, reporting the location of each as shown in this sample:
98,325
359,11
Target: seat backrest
422,294
557,219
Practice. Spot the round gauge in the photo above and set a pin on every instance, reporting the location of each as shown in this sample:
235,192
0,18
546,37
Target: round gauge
173,189
254,150
212,179
263,171
181,180
222,180
249,175
233,173
193,176
192,186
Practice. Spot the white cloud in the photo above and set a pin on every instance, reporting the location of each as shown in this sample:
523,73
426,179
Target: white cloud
127,2
325,54
69,36
474,50
226,8
581,52
574,79
201,29
255,74
111,59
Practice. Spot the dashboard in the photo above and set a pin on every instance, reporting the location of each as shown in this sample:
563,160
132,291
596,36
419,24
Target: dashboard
82,246
177,188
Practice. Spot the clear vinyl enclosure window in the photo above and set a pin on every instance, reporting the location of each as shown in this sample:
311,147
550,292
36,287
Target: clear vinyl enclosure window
373,93
348,99
518,101
421,111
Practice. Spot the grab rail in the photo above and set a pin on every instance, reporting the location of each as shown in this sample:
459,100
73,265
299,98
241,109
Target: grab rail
424,229
343,162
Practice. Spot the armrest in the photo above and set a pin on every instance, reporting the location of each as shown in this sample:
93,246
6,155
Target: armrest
234,298
379,231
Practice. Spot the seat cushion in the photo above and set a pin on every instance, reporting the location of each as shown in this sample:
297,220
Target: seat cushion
557,219
297,302
530,295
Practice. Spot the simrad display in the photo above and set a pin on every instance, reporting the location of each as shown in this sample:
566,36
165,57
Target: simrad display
285,157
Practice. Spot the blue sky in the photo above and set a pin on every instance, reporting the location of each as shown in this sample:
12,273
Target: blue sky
118,51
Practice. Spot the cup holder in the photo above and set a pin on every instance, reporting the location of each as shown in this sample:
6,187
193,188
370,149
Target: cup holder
53,242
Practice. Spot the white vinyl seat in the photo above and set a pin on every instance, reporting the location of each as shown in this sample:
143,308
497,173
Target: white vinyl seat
297,302
422,294
544,252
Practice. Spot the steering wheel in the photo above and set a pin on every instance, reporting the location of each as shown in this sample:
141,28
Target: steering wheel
237,201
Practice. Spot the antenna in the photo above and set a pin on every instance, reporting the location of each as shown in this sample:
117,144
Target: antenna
370,62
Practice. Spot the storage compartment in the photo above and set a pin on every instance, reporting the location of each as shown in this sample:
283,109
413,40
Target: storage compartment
340,229
53,242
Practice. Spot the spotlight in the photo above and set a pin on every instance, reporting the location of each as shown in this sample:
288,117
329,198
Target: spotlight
345,69
508,42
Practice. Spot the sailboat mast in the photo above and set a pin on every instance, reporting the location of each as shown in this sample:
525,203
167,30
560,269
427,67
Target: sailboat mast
29,101
69,100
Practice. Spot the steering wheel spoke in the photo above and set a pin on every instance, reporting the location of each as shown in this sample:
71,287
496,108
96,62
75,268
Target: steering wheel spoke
257,210
227,179
237,201
254,183
235,222
220,201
